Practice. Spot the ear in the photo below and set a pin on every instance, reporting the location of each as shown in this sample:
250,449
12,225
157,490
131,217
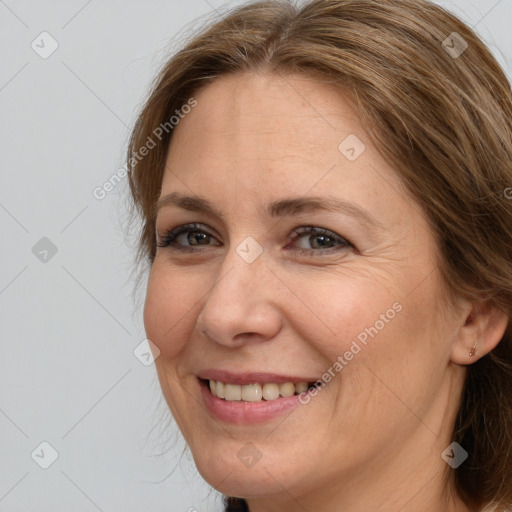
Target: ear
483,328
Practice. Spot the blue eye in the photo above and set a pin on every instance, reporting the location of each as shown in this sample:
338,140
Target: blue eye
312,240
187,238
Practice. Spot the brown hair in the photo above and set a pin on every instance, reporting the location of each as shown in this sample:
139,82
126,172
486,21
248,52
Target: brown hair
442,119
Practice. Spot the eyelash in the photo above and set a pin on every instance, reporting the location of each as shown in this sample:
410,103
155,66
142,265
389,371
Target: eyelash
169,239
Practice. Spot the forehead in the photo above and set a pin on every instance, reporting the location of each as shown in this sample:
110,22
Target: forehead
254,135
245,106
255,120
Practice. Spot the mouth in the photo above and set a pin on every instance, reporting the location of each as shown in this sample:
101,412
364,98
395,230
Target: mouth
251,397
255,391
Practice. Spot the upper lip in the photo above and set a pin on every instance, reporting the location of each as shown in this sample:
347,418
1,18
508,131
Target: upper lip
243,378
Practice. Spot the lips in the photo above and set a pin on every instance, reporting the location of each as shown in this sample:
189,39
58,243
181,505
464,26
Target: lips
236,409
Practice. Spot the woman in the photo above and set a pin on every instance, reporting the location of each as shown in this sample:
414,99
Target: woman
325,192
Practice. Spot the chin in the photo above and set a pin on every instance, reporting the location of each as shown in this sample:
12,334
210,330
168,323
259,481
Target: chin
241,482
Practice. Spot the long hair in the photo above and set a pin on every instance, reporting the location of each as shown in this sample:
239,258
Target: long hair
438,107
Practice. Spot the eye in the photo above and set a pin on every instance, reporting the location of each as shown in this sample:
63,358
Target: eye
308,240
312,240
187,238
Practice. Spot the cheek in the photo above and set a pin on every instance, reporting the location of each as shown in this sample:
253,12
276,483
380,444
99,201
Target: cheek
392,362
336,308
372,331
168,310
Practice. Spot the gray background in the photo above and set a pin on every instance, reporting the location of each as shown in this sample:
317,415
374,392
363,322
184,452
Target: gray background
70,321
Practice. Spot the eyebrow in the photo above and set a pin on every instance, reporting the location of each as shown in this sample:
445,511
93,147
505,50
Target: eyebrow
281,208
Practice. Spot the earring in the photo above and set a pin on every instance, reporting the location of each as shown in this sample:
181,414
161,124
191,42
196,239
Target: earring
472,351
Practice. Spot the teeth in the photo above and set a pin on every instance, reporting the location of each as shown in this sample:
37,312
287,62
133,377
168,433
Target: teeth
220,389
233,392
251,392
301,387
270,391
256,392
287,389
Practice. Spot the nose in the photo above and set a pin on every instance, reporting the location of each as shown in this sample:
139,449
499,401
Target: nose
242,304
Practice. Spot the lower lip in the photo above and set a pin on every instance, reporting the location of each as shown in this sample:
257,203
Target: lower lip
246,412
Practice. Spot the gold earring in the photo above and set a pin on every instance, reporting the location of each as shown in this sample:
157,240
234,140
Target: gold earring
472,351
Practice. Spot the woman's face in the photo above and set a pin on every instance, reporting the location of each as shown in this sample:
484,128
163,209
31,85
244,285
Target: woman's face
308,262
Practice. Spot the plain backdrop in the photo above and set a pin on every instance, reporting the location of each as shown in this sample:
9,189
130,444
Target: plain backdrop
73,76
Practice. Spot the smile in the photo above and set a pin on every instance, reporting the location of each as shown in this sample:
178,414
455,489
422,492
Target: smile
253,397
256,392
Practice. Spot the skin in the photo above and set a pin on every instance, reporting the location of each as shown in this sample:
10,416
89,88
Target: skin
372,438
